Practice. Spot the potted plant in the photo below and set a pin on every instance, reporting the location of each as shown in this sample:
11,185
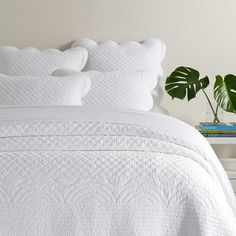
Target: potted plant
186,82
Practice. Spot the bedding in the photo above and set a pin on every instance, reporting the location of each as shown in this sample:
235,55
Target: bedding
43,90
32,62
82,171
119,89
127,57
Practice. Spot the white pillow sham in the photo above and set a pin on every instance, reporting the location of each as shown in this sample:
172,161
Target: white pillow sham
127,56
32,62
121,90
43,91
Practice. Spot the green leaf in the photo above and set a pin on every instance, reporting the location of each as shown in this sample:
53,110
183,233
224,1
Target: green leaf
225,92
185,81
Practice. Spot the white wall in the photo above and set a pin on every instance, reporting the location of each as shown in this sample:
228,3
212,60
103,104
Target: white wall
198,33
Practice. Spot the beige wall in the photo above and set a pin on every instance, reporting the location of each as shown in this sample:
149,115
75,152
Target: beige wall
198,33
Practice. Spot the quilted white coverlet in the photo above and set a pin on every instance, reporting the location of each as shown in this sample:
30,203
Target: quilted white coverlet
69,171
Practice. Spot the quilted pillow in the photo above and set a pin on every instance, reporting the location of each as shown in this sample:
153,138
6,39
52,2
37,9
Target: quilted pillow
45,90
32,62
127,56
120,89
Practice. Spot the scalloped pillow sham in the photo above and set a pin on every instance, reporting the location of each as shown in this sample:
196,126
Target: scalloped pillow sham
32,62
127,56
117,89
43,90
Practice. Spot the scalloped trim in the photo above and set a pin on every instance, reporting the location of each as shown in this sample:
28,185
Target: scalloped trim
80,50
91,43
33,49
149,43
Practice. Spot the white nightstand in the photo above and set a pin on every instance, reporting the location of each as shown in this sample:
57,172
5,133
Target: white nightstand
228,163
221,140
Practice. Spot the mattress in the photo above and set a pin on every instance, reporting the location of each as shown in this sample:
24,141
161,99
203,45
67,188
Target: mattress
69,171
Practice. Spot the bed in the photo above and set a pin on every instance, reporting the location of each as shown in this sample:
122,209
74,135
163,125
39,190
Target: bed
78,170
82,171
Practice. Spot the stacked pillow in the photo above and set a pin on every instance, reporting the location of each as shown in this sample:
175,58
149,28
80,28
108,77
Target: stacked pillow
25,76
118,89
127,56
43,90
128,73
115,75
32,62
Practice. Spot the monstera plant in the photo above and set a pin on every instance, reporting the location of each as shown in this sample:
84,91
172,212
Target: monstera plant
186,82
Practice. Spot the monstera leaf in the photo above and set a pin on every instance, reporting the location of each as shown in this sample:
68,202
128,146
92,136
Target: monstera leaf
225,92
185,81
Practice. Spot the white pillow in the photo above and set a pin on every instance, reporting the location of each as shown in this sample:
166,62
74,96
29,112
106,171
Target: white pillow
127,56
122,90
30,61
40,91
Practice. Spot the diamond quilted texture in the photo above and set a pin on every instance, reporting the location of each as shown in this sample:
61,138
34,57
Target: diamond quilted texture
124,57
127,56
39,91
30,61
98,178
124,90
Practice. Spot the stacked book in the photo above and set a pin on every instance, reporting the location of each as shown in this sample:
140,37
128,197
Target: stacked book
217,129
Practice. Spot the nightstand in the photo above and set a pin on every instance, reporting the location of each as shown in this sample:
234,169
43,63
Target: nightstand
221,140
228,163
232,178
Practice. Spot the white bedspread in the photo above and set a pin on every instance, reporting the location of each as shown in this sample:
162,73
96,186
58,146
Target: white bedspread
67,171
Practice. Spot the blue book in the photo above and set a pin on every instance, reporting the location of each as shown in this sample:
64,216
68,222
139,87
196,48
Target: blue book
218,126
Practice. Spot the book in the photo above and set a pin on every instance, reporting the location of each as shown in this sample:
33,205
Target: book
202,131
211,123
219,135
217,126
216,133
